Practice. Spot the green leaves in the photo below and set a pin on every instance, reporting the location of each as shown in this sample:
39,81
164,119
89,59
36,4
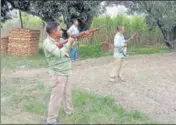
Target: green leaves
158,13
52,10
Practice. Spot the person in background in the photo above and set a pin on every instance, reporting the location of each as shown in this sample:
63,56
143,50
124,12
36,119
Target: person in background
73,30
120,49
59,69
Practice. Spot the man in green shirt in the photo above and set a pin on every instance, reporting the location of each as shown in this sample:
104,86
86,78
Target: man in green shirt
59,69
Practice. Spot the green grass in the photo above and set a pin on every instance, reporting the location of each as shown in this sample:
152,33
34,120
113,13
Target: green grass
14,62
93,51
95,109
96,51
147,50
32,96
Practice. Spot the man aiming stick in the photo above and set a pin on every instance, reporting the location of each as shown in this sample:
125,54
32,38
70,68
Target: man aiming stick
59,69
120,52
73,31
77,36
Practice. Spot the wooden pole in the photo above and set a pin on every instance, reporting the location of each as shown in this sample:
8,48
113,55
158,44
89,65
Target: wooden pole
21,21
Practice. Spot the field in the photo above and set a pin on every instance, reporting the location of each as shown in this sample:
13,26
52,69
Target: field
147,95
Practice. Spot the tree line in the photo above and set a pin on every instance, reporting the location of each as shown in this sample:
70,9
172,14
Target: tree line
159,14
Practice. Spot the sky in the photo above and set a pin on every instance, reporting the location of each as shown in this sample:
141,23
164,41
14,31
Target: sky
114,10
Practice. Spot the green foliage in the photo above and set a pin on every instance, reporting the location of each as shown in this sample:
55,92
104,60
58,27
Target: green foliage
30,21
139,22
90,52
157,13
132,24
52,10
162,11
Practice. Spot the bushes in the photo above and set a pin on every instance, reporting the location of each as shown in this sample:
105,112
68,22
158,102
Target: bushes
106,34
31,21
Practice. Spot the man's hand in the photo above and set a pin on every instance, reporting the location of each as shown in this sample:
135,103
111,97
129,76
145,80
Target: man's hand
131,38
71,40
121,49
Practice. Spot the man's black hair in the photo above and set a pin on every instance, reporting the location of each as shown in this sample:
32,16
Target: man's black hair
119,27
51,26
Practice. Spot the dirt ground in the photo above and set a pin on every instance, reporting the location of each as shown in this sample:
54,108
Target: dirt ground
150,82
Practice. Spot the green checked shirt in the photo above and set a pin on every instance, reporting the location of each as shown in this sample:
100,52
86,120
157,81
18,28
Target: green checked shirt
58,59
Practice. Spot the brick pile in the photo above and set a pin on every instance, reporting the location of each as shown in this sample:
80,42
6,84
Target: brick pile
23,42
4,45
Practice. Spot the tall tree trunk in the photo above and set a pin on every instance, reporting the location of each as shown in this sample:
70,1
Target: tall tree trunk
21,21
165,35
173,37
85,25
170,38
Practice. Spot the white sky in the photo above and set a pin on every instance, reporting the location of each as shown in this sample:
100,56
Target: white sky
114,10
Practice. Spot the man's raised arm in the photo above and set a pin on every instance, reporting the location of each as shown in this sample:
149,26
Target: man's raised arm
58,52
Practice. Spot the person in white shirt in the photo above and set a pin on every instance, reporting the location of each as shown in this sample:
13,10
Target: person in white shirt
120,50
73,30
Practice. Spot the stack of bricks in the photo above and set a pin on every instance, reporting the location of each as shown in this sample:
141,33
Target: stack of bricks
23,42
4,45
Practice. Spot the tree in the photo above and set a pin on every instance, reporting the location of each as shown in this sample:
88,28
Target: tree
158,13
52,10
